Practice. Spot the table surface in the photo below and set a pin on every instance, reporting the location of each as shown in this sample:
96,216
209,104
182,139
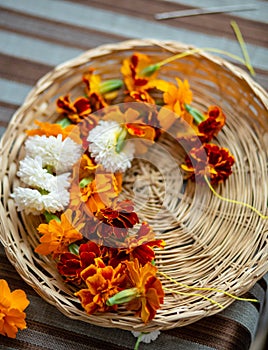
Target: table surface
37,35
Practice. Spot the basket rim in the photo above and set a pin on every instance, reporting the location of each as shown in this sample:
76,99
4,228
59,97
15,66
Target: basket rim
46,81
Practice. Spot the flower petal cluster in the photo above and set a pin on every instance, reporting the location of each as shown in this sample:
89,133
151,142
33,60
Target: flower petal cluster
46,191
102,282
49,129
146,337
58,154
12,306
103,140
59,234
33,173
34,202
137,83
213,123
175,98
209,160
146,293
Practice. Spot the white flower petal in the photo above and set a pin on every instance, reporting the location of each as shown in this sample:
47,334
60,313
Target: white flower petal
55,152
32,201
147,337
103,140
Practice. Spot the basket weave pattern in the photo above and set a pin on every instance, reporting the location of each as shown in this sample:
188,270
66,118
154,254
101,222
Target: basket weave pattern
209,242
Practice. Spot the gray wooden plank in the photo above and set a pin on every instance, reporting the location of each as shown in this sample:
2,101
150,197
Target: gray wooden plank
67,35
35,49
13,92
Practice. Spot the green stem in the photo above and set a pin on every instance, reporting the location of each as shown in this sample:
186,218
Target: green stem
138,341
120,140
64,122
125,296
74,249
49,217
198,117
110,85
85,181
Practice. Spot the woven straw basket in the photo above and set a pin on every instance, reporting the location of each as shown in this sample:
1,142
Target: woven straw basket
209,242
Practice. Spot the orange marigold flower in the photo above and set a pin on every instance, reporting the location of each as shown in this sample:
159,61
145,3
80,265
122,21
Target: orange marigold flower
49,129
139,246
12,305
131,70
97,194
102,283
71,265
138,84
146,293
92,82
175,98
76,111
209,160
213,123
59,234
85,168
116,220
143,131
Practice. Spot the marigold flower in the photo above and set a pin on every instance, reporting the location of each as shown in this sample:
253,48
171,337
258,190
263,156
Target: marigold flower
213,123
58,235
146,293
138,114
106,88
209,160
84,168
102,283
12,305
97,194
50,129
71,265
76,111
131,70
139,246
175,99
116,220
138,84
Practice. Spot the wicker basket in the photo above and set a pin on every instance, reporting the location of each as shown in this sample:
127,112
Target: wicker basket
210,242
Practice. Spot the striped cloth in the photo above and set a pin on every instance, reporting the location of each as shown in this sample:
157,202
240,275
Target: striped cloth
37,35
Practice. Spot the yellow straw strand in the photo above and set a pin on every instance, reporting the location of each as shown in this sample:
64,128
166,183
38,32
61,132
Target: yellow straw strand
206,49
265,217
195,295
206,288
243,46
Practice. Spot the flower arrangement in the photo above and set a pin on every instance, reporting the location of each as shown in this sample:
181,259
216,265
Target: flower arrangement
73,171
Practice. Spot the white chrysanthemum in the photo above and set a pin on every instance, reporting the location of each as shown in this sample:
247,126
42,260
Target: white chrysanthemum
103,140
55,152
147,337
32,173
33,202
